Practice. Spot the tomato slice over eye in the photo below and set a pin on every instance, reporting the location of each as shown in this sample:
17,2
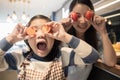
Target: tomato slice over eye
46,29
31,31
89,14
74,16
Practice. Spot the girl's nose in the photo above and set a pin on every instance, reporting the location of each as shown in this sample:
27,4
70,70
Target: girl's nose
40,33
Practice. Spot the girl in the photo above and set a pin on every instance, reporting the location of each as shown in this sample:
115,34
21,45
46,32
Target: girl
46,60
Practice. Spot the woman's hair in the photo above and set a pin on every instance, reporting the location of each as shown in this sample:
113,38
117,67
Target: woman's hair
90,34
55,50
85,2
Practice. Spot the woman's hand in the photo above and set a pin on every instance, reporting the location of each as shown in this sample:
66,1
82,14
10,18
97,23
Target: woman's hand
108,50
99,24
66,22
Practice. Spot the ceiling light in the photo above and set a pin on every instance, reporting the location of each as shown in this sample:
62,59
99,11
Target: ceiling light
109,22
14,16
9,19
24,16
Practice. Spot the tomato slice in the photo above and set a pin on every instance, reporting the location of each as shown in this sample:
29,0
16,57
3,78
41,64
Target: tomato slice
31,31
74,16
46,29
89,14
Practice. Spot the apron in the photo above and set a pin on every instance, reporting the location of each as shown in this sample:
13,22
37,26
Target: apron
54,72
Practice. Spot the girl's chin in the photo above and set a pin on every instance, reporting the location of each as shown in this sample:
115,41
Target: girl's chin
41,53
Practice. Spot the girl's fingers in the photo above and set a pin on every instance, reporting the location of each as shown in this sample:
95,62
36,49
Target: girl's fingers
24,31
49,35
20,28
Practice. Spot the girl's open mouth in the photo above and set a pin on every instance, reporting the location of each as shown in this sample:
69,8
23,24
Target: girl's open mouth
41,45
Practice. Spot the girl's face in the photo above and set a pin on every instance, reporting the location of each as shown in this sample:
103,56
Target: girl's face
82,24
40,44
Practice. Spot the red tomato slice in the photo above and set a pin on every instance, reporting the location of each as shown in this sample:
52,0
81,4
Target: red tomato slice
46,29
89,14
31,31
74,16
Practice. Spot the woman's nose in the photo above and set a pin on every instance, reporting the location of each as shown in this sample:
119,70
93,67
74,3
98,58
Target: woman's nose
82,19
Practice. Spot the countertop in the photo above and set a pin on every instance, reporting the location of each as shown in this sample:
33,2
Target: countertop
111,70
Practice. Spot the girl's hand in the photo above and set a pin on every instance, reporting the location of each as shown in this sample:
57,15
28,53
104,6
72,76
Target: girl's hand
99,24
17,34
58,32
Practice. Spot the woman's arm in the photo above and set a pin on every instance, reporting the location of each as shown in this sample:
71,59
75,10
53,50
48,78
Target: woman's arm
109,55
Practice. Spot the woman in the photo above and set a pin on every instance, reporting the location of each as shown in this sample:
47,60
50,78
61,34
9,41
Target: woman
46,60
86,29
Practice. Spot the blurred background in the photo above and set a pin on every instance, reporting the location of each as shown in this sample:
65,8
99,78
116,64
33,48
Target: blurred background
20,11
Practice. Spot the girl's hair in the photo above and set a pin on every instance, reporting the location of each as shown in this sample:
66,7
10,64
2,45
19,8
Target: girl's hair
55,50
38,17
90,34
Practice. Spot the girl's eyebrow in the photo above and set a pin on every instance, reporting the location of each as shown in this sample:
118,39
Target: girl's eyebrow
33,26
37,27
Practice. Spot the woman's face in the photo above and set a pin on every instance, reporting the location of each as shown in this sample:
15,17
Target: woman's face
82,24
40,44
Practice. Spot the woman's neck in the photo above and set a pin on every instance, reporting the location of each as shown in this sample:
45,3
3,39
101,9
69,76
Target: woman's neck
80,35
